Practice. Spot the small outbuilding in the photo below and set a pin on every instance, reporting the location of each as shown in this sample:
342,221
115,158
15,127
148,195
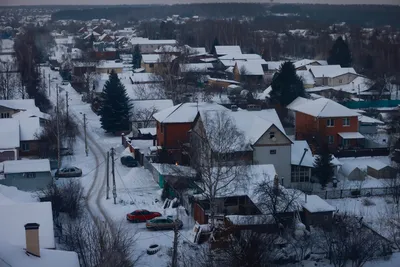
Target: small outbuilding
380,170
352,172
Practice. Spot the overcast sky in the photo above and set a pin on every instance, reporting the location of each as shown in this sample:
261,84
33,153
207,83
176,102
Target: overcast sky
114,2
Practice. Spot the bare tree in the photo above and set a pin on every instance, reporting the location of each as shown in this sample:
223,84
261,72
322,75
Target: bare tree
9,79
144,115
99,246
153,90
217,156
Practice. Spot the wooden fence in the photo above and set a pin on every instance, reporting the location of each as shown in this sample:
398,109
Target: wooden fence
345,193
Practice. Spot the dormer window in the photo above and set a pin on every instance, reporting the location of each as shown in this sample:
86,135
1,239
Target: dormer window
271,135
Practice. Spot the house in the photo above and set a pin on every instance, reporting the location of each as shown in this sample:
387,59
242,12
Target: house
380,170
107,66
27,175
222,50
307,78
149,46
316,212
323,121
332,75
150,62
197,68
79,68
302,163
143,111
352,172
264,142
29,131
302,64
248,72
9,139
10,107
172,176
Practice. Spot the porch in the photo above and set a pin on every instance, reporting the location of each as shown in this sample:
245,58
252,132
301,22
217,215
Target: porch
351,140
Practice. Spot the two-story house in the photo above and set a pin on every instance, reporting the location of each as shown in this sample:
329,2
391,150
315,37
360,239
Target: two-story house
323,121
332,75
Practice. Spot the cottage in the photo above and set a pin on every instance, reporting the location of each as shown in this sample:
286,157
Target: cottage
153,62
147,46
380,170
27,175
249,72
352,172
9,139
107,66
332,75
222,50
316,212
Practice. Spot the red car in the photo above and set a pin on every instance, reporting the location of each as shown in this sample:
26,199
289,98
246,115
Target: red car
142,215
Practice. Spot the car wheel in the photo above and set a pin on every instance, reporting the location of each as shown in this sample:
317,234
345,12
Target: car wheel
153,249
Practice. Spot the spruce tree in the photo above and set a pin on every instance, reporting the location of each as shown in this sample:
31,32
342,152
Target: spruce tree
340,54
115,106
286,85
323,167
136,57
215,43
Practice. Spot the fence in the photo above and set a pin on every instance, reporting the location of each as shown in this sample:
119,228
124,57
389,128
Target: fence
372,104
363,152
345,193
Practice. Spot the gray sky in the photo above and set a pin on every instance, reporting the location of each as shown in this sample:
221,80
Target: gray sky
114,2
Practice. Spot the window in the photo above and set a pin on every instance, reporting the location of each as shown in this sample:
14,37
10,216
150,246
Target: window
331,139
5,115
272,152
300,174
330,122
346,122
30,175
25,146
151,65
340,81
271,135
326,217
346,142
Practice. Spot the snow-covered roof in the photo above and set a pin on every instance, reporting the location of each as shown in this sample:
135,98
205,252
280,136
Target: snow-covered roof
222,80
29,128
15,216
195,67
305,62
174,170
274,65
26,165
157,58
250,219
227,49
239,56
147,41
368,120
195,51
210,59
306,76
348,167
157,104
358,85
351,135
298,101
316,204
16,256
19,104
109,64
268,115
329,71
324,108
377,164
185,112
144,77
152,131
11,194
297,154
250,68
167,49
9,133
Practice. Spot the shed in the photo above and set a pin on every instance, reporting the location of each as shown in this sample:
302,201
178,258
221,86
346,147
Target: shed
380,170
27,175
171,172
352,172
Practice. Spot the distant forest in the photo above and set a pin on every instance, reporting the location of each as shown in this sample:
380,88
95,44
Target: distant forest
362,15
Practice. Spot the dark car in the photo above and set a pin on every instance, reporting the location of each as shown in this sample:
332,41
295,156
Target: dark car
163,223
69,172
142,215
129,161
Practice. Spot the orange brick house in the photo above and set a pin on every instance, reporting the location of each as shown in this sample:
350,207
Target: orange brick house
323,121
174,123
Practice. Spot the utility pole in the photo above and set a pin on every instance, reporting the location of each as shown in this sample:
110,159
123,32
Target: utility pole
114,191
67,105
108,174
58,134
175,247
49,86
84,129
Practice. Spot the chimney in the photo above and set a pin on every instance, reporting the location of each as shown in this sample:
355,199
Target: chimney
32,239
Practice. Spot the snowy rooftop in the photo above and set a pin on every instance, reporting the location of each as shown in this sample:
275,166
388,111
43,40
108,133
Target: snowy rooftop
109,64
240,56
268,115
223,80
349,166
377,164
298,102
351,135
152,131
250,219
227,49
16,256
358,85
306,76
174,170
30,114
185,113
316,204
19,104
145,41
195,67
274,65
305,62
329,71
15,216
9,133
250,68
26,165
144,77
157,105
29,128
324,108
157,58
297,154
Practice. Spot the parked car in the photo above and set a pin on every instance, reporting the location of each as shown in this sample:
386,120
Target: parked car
65,151
69,172
142,215
163,223
129,161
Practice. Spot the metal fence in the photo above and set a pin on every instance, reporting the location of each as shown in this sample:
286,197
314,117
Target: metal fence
345,193
363,152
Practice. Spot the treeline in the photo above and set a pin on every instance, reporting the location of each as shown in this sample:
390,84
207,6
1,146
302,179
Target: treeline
123,13
363,15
